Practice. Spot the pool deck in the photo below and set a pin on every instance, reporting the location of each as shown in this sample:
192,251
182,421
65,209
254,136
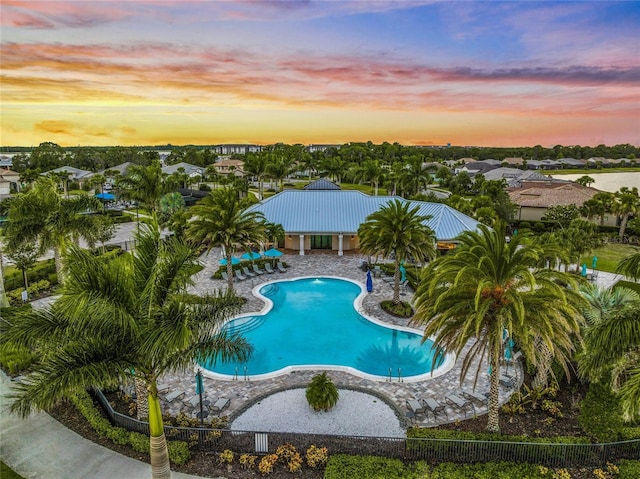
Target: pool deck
244,393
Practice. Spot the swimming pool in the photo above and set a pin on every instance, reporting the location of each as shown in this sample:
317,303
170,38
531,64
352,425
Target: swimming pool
314,323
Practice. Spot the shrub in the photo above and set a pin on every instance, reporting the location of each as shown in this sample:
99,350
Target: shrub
226,456
295,463
267,463
601,413
629,469
178,452
139,442
15,359
364,467
400,310
248,461
321,393
317,456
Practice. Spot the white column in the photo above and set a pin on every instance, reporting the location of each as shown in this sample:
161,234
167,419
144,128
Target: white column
340,244
301,245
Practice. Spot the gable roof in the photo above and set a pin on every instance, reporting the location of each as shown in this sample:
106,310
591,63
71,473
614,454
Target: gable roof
343,211
189,169
74,173
121,168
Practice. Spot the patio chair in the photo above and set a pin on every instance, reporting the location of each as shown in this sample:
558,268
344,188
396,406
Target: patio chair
162,387
257,270
172,396
248,273
435,407
281,267
268,268
220,404
224,276
195,401
240,276
415,406
482,399
460,403
377,272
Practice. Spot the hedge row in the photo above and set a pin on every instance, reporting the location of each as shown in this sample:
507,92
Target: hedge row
372,467
178,450
41,270
429,433
629,469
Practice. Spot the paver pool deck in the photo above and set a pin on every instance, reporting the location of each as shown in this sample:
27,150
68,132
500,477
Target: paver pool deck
243,393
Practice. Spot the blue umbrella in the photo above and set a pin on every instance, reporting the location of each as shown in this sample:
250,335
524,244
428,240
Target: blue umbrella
369,282
584,270
403,273
250,255
234,260
594,262
509,349
106,196
272,253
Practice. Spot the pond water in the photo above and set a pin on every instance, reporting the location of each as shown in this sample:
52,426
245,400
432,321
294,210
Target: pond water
611,182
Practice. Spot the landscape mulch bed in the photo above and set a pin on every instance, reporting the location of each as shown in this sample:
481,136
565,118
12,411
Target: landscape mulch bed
206,464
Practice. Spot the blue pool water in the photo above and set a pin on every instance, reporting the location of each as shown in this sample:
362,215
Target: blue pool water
313,322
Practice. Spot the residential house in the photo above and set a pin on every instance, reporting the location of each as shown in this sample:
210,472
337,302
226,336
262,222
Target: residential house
8,178
227,166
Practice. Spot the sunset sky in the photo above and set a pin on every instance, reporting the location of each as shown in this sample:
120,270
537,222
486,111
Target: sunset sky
417,72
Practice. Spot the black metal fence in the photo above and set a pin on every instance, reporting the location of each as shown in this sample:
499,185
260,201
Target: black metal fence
408,449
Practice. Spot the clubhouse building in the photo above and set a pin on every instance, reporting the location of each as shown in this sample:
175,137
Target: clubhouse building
328,219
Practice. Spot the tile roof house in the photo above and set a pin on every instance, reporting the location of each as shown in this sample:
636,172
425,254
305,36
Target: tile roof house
533,201
329,219
228,166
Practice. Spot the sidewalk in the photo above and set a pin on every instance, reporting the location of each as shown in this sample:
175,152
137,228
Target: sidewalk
40,447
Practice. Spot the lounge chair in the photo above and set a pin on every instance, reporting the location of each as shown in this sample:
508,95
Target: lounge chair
162,387
224,276
248,273
435,407
195,401
239,275
474,396
220,404
415,406
257,269
281,267
174,395
377,272
460,403
268,268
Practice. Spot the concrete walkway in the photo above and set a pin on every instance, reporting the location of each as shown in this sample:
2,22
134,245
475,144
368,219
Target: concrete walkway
40,447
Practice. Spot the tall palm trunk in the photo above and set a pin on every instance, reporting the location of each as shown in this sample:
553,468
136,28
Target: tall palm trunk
142,404
229,269
158,451
493,421
623,225
57,255
541,378
4,303
396,281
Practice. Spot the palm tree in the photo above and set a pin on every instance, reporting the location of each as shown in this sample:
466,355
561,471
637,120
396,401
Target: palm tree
274,232
397,230
630,265
611,350
598,205
626,203
144,185
372,172
222,219
41,215
122,316
279,169
487,285
255,164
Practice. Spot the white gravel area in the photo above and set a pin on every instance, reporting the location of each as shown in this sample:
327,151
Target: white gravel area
355,414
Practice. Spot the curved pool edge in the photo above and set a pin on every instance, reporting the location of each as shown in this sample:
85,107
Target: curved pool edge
445,367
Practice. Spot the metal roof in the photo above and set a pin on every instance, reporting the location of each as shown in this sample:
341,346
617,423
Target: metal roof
343,211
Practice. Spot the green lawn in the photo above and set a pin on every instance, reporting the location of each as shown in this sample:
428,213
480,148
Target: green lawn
608,256
7,473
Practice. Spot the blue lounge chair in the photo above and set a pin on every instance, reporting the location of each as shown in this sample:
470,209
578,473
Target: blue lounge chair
281,267
248,273
239,275
257,269
268,268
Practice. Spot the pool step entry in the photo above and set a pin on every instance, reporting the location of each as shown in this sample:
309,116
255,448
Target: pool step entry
252,322
269,290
